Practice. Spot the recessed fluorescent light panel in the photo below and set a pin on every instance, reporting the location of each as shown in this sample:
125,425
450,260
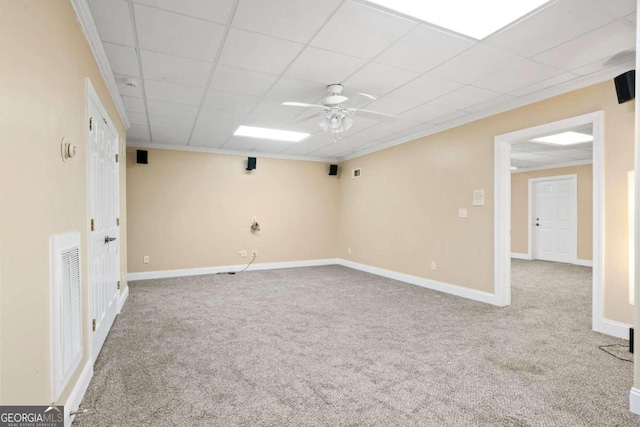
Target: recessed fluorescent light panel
514,168
273,134
473,18
565,138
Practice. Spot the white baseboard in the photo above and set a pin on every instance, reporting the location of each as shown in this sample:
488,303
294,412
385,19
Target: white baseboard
613,328
77,394
162,274
425,283
585,262
122,299
517,255
634,400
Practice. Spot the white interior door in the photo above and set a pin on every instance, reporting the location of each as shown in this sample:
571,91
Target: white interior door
555,219
104,235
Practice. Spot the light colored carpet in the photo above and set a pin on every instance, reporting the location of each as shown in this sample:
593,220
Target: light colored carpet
331,346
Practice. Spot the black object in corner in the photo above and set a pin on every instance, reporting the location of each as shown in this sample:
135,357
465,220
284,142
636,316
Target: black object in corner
142,157
630,340
626,86
333,169
251,163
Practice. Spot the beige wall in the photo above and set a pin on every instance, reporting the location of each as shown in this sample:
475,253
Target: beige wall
192,210
402,213
45,62
520,208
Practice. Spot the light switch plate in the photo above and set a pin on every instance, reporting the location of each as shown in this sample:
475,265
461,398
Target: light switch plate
478,197
462,213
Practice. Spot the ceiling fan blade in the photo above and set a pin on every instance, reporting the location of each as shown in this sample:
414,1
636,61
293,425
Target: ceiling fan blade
373,115
305,119
366,95
302,104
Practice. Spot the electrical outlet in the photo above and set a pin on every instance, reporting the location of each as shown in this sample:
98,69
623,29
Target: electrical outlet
145,259
254,253
462,213
433,265
242,254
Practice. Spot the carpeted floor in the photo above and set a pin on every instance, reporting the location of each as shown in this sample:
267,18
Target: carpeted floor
331,346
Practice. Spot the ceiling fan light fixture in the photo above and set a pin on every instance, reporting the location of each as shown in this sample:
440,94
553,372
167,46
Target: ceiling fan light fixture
461,16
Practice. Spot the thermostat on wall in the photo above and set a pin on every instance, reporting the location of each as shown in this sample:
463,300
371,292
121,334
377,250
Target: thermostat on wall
478,197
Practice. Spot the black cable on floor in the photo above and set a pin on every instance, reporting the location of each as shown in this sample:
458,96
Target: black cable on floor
244,269
604,347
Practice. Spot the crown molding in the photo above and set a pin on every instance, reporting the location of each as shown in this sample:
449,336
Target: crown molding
85,18
571,85
554,166
230,152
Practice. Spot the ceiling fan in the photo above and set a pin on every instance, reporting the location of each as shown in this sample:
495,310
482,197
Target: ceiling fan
336,116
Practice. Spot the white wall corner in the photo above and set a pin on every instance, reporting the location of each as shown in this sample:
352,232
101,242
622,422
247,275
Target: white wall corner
634,400
85,18
446,288
517,255
77,394
122,299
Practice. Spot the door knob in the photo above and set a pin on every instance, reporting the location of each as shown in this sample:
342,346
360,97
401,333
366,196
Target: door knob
108,239
537,225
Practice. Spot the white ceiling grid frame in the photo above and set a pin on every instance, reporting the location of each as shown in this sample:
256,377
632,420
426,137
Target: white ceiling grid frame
141,72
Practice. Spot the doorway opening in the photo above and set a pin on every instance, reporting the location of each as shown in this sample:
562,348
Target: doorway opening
510,154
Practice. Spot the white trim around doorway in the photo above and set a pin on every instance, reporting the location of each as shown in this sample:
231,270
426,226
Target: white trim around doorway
502,208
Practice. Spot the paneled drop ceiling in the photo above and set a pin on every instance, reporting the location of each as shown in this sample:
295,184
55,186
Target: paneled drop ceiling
531,155
191,71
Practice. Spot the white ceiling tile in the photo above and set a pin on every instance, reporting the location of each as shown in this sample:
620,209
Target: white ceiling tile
378,79
171,92
237,80
175,69
258,52
296,20
393,106
361,31
208,140
616,8
126,90
271,107
288,89
123,59
309,145
560,22
272,122
172,122
534,157
600,44
523,164
554,81
492,103
425,113
633,18
322,66
231,101
134,105
239,143
170,135
449,117
517,76
330,150
168,109
569,154
420,129
424,89
475,63
267,146
423,49
138,133
213,121
396,126
113,21
138,118
176,34
617,60
211,10
464,97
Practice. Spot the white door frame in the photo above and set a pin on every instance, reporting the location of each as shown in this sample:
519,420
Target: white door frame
502,208
574,208
92,95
